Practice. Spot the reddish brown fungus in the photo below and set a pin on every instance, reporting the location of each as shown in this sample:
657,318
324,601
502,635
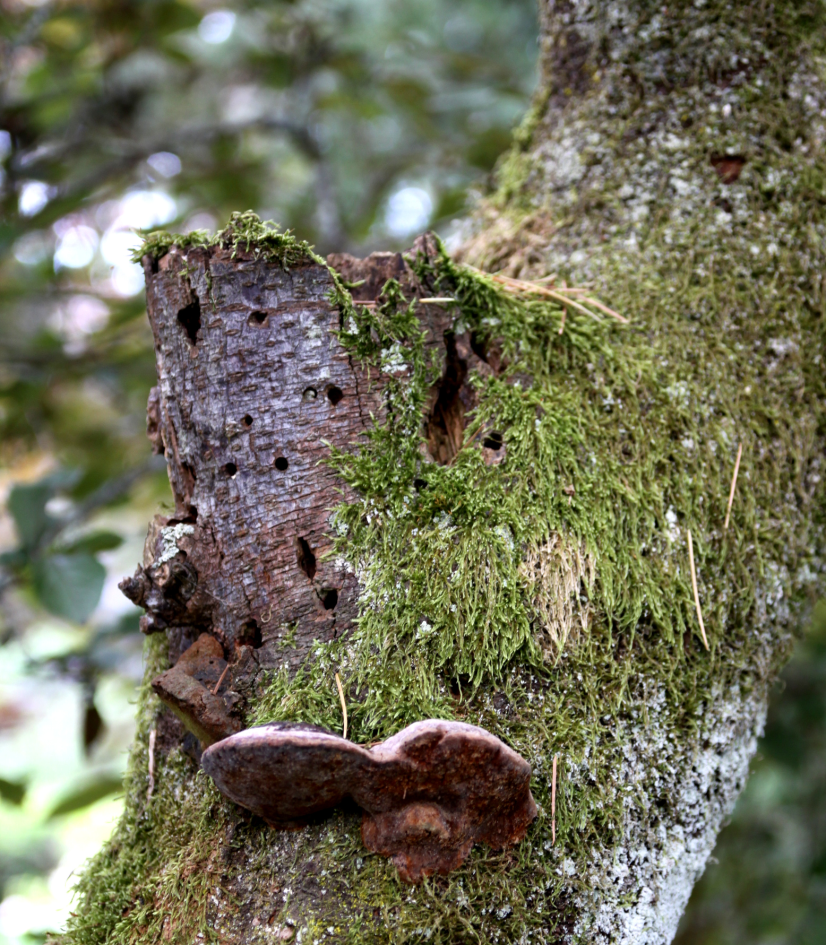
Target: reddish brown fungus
428,793
187,689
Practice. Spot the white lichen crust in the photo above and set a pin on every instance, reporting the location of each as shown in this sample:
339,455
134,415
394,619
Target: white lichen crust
656,868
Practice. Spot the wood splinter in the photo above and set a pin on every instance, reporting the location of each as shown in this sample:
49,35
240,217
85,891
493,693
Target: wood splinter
428,793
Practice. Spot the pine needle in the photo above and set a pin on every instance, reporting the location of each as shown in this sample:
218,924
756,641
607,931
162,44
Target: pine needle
733,486
694,585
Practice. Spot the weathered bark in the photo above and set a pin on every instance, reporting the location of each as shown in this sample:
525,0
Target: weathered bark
674,159
254,389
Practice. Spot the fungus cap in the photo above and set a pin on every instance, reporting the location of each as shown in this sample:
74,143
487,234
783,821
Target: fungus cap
428,793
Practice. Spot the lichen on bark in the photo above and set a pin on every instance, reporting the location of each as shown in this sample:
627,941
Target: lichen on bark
674,160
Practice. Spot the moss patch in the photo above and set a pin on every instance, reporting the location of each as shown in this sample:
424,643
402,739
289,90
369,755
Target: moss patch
157,864
245,232
605,450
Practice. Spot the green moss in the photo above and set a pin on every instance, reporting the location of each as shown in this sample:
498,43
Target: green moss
439,549
646,432
152,879
245,232
447,629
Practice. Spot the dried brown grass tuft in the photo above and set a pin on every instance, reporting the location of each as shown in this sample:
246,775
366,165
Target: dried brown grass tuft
554,574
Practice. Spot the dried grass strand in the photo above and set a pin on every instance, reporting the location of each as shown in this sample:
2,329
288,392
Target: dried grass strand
553,803
559,295
343,703
694,586
733,486
150,790
220,680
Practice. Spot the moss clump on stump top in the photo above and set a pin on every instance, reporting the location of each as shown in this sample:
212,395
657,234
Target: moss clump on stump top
245,232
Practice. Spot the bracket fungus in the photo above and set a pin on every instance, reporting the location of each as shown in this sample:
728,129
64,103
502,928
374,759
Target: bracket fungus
189,689
427,794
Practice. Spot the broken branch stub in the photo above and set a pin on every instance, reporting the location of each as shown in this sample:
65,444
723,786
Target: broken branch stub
428,793
255,386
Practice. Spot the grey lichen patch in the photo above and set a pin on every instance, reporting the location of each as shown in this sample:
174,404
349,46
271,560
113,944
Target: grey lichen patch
639,896
170,536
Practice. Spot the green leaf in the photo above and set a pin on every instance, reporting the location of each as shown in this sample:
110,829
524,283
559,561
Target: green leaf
13,560
86,794
27,506
12,791
92,543
69,585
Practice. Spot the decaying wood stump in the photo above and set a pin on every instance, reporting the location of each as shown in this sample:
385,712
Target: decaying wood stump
674,160
254,388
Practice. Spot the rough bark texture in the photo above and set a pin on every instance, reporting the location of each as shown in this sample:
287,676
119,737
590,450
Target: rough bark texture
679,149
674,158
254,389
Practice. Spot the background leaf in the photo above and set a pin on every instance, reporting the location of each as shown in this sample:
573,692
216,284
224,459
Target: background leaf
12,791
86,794
69,585
27,506
93,543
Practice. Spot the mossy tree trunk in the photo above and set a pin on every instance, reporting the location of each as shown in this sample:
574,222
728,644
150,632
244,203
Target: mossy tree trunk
504,499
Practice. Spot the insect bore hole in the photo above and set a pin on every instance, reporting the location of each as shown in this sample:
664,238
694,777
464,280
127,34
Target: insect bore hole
329,598
281,464
251,634
230,469
334,394
189,319
305,557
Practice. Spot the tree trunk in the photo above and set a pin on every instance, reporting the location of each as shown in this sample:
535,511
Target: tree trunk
512,498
